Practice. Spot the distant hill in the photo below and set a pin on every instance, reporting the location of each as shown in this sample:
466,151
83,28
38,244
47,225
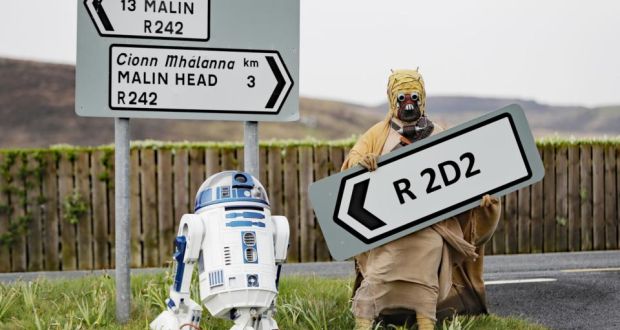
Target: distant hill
37,109
544,119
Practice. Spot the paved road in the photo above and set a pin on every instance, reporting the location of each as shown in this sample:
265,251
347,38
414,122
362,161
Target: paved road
560,290
568,291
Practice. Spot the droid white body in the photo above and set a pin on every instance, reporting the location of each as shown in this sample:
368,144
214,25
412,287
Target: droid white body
244,273
238,247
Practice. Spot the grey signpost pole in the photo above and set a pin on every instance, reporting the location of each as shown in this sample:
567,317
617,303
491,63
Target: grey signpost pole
250,148
122,229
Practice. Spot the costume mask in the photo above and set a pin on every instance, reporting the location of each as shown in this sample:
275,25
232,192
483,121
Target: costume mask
407,99
406,95
408,107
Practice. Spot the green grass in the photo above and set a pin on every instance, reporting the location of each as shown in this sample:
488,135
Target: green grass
87,303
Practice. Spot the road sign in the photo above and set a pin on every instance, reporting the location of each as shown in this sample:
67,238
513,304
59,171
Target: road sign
160,59
180,20
247,70
209,80
426,182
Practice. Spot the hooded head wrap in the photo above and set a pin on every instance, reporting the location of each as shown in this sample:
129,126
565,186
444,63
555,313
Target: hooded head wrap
405,81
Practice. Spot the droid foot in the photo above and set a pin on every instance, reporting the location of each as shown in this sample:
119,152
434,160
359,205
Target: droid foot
186,316
245,319
165,321
252,320
267,324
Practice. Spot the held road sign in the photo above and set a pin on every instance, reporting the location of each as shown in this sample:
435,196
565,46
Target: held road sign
210,80
155,19
233,60
426,182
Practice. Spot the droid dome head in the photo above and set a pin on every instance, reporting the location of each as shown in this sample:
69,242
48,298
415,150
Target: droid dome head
230,187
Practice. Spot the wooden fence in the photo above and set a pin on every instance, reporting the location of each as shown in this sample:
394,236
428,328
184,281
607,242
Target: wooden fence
57,206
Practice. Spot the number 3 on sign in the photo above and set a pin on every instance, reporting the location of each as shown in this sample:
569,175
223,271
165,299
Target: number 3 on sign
251,81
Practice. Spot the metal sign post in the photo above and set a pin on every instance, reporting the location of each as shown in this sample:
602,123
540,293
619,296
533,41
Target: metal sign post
250,148
122,229
426,182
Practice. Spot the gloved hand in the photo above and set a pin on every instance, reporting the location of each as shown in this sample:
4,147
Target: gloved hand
488,201
369,161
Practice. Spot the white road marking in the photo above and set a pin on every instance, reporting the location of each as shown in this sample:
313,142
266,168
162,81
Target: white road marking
588,270
529,280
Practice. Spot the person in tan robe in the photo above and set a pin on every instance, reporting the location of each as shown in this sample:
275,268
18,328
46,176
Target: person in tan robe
436,271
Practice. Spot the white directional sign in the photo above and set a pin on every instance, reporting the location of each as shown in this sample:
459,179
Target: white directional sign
426,182
207,60
209,80
176,19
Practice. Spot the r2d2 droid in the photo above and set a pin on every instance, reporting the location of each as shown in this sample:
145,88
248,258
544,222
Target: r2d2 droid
239,248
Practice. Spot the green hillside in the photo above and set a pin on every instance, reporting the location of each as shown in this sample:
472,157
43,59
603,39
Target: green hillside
37,110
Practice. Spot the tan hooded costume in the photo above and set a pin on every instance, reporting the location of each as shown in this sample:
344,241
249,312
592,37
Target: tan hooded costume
434,272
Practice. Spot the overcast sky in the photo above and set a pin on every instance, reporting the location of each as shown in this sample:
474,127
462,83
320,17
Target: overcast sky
552,51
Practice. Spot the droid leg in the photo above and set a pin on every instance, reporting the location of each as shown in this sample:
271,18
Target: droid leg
281,241
249,319
267,322
245,319
182,312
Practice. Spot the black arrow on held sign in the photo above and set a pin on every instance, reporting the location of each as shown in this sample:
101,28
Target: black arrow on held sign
357,210
107,25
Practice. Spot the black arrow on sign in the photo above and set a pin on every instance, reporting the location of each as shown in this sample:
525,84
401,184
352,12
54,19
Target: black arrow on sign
102,15
357,210
279,87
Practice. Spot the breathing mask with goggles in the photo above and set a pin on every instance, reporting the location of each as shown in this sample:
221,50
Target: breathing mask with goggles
407,99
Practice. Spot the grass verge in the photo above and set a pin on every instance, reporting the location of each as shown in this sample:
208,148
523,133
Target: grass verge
88,303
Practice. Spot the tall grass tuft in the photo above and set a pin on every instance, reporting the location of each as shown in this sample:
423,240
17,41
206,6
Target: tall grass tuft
314,303
8,295
458,323
92,306
30,294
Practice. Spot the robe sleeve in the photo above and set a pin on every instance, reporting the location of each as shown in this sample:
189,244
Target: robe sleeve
485,222
364,145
